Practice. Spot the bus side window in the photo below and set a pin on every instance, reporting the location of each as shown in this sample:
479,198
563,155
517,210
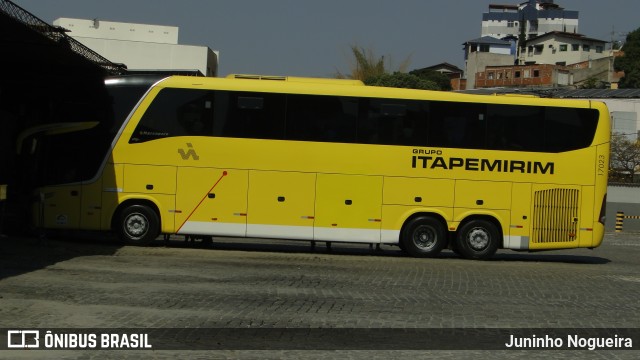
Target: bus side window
514,127
322,118
567,129
394,122
176,112
195,117
457,125
250,115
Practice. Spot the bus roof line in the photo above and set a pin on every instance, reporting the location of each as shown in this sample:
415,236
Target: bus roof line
308,80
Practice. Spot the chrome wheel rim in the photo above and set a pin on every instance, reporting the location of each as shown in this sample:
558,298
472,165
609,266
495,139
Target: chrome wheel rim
136,226
424,237
478,239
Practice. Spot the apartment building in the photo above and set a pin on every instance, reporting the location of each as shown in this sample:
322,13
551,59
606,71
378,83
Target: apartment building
533,18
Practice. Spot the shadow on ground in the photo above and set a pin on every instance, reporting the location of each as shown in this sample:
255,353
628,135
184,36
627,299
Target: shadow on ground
20,255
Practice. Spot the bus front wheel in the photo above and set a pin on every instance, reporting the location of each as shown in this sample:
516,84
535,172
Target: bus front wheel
478,239
423,237
138,225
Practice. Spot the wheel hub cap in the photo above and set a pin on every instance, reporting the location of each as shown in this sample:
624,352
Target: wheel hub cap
478,239
424,238
136,225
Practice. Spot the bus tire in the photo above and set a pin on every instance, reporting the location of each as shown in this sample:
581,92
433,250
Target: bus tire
423,236
138,225
478,239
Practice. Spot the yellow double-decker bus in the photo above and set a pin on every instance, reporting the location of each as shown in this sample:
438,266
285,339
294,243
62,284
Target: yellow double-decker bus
337,161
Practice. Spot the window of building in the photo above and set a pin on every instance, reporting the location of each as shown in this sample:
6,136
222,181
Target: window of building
484,48
563,47
510,24
586,47
517,74
490,75
599,49
536,73
575,47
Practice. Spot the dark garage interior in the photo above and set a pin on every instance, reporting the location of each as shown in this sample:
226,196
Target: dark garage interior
48,78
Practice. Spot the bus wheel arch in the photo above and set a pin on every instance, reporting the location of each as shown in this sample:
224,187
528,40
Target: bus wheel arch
479,237
424,235
136,222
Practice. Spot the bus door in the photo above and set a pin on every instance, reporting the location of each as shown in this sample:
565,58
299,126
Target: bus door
211,201
348,208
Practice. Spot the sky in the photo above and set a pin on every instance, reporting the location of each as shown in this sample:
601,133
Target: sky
313,37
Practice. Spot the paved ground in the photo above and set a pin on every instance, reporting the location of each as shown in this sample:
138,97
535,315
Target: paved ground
282,285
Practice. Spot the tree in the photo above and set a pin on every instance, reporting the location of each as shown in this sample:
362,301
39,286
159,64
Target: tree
630,61
366,64
591,83
442,80
625,158
401,80
375,71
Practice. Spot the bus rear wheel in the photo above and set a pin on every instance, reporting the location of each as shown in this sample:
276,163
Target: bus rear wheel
478,239
138,225
423,237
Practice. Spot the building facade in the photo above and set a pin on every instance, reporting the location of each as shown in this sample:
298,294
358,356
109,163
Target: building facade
141,46
533,18
546,50
483,52
563,48
596,72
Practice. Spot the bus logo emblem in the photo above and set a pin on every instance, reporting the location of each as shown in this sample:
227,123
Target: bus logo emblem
190,153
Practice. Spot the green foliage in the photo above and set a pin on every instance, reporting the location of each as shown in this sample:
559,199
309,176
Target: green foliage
630,62
366,64
591,83
401,80
442,80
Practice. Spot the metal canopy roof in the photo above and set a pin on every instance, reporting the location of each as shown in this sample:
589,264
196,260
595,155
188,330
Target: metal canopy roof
560,93
598,93
32,43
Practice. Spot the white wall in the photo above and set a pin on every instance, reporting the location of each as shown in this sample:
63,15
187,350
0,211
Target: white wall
551,53
100,29
623,113
155,56
141,46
